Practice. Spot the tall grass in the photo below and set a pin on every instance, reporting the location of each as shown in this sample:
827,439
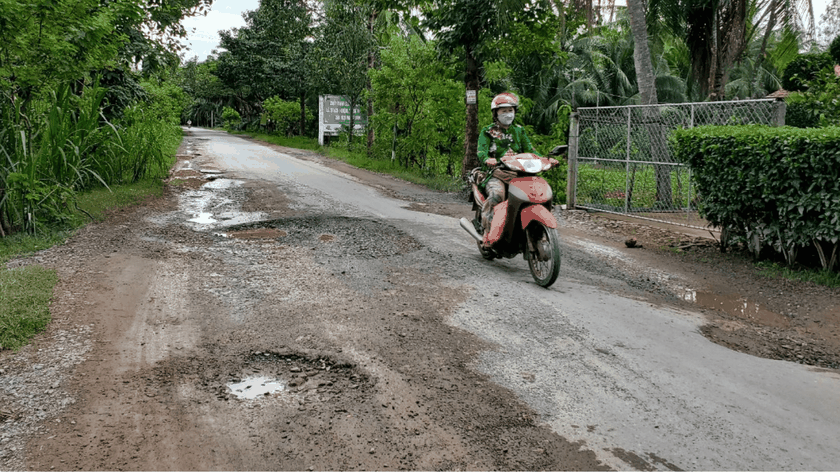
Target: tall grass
61,143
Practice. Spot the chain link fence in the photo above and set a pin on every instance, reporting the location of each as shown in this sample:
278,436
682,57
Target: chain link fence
620,158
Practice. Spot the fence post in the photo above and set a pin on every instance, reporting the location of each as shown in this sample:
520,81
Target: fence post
571,177
779,113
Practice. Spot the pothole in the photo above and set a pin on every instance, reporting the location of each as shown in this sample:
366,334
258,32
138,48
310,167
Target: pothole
257,233
363,237
737,306
203,219
251,388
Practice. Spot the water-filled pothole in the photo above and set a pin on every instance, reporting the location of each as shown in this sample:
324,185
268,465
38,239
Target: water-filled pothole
251,388
737,306
203,218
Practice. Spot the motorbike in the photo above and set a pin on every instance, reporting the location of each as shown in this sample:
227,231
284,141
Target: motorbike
523,223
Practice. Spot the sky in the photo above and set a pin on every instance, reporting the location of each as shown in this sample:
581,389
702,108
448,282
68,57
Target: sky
203,34
203,31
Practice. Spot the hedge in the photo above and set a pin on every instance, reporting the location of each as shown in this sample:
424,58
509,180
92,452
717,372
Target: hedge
768,186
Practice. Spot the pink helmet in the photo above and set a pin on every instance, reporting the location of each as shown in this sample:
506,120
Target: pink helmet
504,100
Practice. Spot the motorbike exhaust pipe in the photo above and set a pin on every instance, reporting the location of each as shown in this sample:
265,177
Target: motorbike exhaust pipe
468,226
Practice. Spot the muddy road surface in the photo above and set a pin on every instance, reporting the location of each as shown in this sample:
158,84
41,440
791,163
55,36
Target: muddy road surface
274,311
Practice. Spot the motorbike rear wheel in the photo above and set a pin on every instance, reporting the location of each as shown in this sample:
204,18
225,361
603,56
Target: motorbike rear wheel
545,272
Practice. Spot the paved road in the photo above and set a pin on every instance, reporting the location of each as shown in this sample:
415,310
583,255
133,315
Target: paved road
634,381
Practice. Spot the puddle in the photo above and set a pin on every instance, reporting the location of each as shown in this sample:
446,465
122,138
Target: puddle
740,307
223,184
252,387
203,219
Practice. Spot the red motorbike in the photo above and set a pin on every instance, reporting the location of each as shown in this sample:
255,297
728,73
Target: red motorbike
523,223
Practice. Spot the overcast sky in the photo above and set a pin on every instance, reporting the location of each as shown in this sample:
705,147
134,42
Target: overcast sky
226,14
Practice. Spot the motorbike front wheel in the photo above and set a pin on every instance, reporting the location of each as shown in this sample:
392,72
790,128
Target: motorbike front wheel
544,269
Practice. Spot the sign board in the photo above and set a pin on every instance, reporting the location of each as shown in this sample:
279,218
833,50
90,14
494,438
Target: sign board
471,97
334,115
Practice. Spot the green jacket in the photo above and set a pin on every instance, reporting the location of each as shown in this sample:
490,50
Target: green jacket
494,142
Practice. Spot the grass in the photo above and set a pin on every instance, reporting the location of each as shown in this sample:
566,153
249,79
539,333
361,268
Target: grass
361,160
25,292
25,295
817,276
99,201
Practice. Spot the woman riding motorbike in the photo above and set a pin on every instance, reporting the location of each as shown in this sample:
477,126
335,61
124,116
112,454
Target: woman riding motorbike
494,142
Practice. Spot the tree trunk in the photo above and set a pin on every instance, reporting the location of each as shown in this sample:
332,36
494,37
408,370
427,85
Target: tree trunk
303,113
641,54
771,23
646,80
730,42
371,135
471,131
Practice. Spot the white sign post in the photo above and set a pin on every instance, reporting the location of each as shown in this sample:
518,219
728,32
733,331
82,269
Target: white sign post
471,97
334,114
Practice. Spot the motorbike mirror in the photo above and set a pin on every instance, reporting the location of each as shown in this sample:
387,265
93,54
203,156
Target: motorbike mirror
559,150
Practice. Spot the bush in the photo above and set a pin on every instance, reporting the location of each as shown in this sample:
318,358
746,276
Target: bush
834,50
284,117
777,187
801,112
804,69
818,106
231,118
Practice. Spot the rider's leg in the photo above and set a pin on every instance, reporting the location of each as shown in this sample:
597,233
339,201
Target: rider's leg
495,189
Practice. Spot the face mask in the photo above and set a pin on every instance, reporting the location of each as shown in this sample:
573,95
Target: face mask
506,118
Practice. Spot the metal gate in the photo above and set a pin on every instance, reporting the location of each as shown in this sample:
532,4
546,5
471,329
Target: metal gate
621,161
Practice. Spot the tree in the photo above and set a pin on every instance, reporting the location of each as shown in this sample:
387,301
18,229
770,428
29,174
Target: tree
718,32
339,58
467,25
417,103
641,55
53,42
646,80
831,19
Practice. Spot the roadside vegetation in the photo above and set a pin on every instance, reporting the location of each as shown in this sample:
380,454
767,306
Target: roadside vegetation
83,129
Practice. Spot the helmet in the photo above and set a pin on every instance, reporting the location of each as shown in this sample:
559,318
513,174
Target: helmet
504,100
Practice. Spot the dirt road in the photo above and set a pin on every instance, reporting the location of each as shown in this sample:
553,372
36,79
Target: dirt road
383,341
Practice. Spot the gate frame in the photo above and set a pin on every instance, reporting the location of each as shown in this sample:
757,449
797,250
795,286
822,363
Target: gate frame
778,119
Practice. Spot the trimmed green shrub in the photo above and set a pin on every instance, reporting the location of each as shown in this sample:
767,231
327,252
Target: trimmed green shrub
777,187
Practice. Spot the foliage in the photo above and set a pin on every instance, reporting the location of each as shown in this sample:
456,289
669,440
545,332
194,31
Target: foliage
231,118
267,57
284,117
66,145
777,187
819,105
44,43
24,303
341,53
25,293
834,50
805,69
418,113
